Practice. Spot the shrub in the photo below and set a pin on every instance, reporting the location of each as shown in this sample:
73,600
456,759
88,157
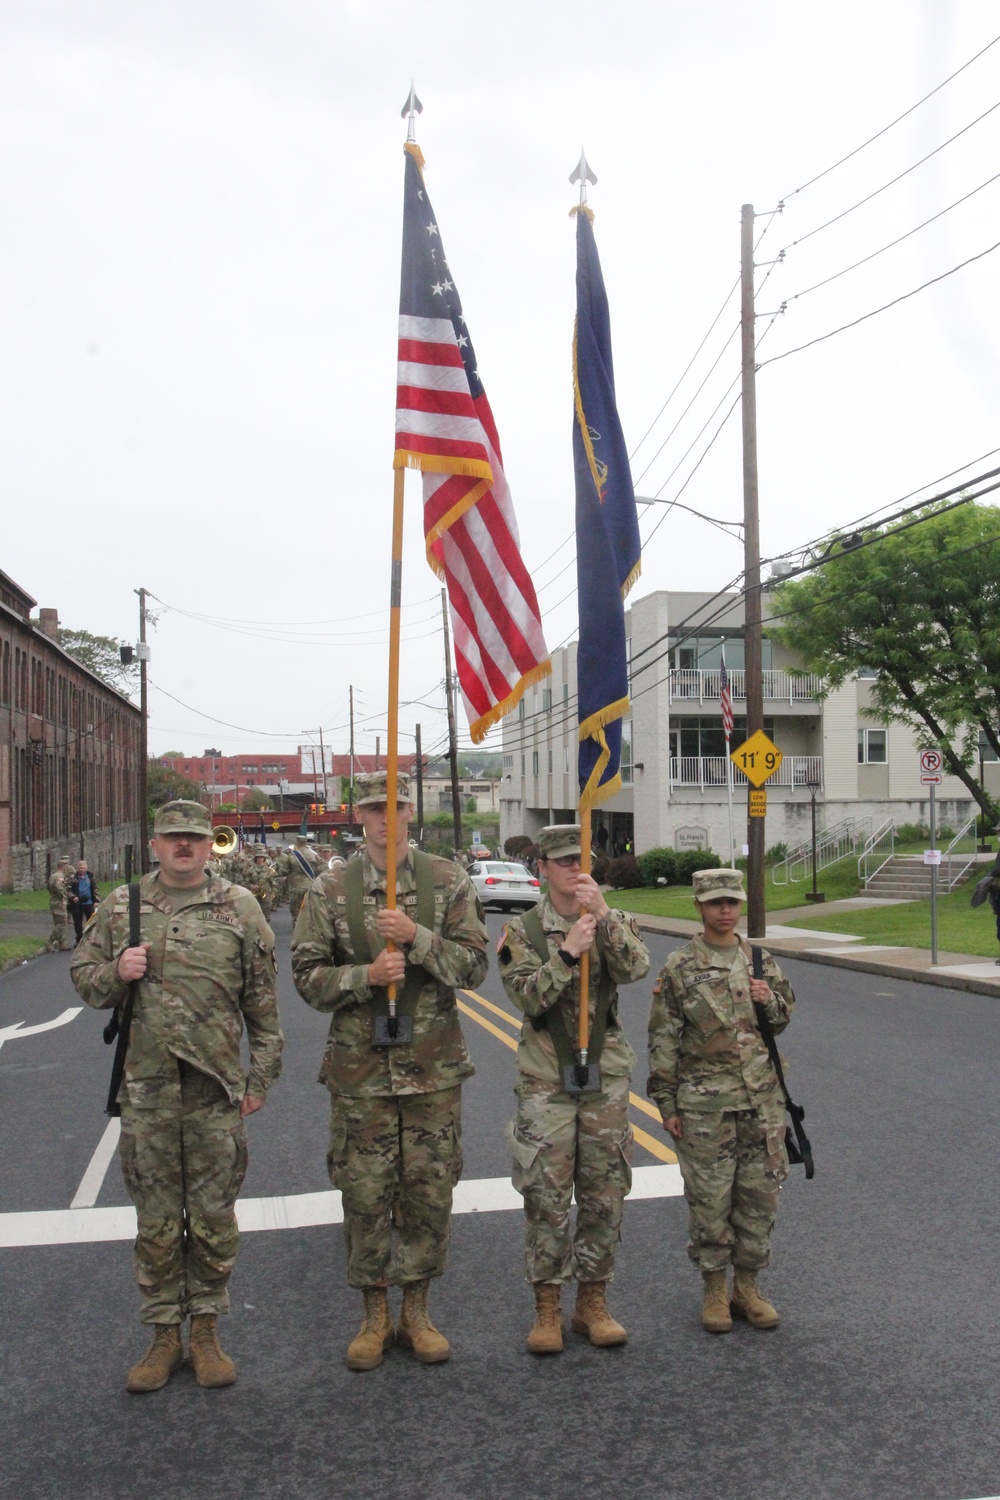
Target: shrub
686,861
599,868
516,844
657,865
624,873
776,854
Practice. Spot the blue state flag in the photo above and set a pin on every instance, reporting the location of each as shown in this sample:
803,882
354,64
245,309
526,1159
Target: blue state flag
608,549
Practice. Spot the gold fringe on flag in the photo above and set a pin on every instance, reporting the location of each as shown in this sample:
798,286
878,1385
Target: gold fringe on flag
415,151
481,726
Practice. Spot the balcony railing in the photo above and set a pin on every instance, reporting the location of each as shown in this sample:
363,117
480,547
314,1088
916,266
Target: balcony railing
709,771
693,686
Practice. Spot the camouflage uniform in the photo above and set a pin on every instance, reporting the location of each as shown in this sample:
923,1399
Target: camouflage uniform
263,886
211,969
708,1064
297,881
565,1143
58,887
395,1119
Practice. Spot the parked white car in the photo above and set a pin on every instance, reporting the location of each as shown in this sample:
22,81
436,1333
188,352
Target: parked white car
503,885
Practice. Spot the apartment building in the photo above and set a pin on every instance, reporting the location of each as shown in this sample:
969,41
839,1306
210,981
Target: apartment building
674,766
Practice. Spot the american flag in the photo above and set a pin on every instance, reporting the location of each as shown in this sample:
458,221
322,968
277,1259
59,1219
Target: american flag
726,700
444,427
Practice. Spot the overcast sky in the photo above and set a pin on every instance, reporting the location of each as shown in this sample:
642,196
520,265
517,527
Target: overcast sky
200,234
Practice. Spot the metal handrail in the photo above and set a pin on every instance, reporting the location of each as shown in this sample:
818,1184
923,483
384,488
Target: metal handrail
832,845
949,858
884,835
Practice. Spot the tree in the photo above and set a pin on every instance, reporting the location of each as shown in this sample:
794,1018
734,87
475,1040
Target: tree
920,607
99,654
163,785
255,801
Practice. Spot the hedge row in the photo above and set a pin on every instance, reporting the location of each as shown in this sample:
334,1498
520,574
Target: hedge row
660,867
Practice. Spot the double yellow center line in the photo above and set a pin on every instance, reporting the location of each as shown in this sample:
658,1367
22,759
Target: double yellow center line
648,1142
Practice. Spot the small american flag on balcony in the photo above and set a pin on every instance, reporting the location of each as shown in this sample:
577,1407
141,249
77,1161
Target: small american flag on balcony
726,700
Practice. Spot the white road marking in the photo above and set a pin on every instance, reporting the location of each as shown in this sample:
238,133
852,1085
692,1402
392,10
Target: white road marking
79,1226
12,1033
90,1184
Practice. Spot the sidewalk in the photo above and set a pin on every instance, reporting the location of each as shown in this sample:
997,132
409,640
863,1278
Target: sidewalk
954,971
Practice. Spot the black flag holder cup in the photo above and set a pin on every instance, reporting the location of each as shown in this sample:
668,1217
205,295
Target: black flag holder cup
582,1077
393,1030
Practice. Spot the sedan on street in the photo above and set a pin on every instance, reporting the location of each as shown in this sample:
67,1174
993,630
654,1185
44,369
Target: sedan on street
503,885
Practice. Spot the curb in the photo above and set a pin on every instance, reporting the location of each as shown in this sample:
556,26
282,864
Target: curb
783,949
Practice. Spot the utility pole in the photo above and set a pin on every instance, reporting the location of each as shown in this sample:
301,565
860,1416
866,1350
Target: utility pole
420,790
143,735
452,736
350,784
322,756
751,565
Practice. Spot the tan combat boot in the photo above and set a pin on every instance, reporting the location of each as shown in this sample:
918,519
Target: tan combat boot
416,1331
375,1334
547,1335
161,1359
212,1367
591,1316
715,1314
747,1301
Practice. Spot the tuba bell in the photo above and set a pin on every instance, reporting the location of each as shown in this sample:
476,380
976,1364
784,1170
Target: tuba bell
224,841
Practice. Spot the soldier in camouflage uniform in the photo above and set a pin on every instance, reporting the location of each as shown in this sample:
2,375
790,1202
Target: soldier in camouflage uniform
58,890
299,877
205,968
566,1143
262,881
716,1088
395,1111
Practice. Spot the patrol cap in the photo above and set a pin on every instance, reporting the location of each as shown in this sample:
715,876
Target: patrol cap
259,851
374,787
559,839
303,838
183,817
711,885
64,859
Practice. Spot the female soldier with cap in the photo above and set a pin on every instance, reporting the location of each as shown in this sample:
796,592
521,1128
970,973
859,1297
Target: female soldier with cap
715,1086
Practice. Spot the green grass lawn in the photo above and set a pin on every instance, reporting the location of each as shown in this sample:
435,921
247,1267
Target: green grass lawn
18,948
960,929
836,882
25,901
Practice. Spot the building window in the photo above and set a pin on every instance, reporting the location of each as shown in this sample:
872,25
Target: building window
522,763
626,758
872,747
565,760
508,762
520,708
550,762
565,694
546,700
534,762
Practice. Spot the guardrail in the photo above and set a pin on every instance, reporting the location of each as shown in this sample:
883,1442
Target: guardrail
877,852
710,771
689,684
832,844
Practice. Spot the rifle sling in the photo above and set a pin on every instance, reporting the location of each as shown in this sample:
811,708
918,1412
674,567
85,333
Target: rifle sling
551,1020
125,1016
361,947
796,1112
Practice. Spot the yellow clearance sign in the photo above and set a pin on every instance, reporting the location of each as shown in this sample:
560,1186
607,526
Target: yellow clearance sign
758,758
758,804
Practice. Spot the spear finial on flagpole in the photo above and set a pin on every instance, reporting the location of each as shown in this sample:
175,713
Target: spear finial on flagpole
583,173
409,112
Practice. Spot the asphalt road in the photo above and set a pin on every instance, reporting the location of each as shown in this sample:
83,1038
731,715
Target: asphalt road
881,1381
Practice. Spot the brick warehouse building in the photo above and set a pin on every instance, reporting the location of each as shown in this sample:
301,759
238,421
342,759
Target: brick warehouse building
70,750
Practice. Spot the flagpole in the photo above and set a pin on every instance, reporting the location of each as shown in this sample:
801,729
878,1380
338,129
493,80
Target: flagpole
583,1035
392,746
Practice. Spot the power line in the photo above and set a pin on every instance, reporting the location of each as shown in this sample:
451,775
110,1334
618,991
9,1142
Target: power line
711,370
892,181
687,367
871,139
884,308
893,243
